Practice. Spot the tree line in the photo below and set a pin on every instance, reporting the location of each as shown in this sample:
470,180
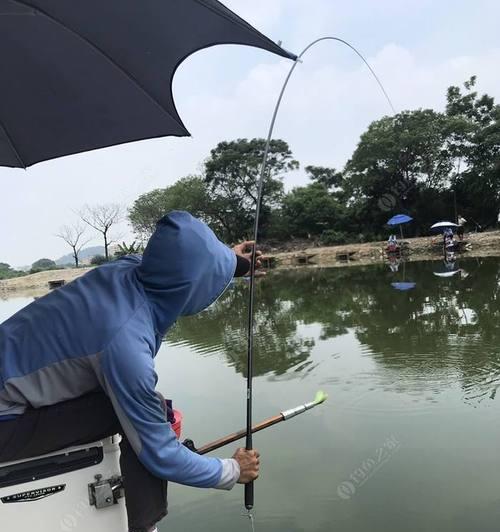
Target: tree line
428,164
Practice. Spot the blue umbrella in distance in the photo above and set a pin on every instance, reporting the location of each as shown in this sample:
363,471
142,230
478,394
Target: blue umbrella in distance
400,219
404,286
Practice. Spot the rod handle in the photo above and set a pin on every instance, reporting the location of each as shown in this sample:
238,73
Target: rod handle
249,496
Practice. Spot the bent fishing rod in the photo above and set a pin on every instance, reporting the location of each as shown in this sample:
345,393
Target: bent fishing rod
249,488
285,415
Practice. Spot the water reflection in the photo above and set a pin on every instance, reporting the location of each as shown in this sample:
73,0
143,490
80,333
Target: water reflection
10,305
445,329
278,346
402,284
421,365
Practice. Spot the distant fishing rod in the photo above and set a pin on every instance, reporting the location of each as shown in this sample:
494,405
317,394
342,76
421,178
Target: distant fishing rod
320,398
249,488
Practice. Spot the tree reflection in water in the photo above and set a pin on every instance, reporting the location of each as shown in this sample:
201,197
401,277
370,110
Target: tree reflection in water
223,327
446,328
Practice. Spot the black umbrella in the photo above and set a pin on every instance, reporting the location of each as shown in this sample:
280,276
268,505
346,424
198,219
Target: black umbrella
81,75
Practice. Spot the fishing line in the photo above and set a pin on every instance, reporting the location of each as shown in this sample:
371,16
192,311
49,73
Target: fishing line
251,519
249,488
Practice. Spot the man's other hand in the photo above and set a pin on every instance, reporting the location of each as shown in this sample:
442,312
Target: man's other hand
249,465
245,250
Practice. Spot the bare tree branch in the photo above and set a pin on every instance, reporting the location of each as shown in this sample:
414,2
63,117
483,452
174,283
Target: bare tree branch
102,218
73,235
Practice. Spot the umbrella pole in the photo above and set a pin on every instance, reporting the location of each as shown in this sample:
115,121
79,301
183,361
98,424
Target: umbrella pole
401,231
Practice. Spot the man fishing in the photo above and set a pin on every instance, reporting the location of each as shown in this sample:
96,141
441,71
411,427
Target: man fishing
78,365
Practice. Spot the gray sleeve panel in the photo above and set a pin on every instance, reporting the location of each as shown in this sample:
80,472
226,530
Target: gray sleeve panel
130,431
61,381
132,434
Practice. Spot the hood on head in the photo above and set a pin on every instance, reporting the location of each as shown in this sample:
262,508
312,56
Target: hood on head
184,268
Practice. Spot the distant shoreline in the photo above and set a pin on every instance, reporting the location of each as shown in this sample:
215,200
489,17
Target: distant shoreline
37,283
422,248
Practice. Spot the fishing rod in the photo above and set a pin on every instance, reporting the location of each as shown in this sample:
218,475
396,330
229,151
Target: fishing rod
249,488
320,398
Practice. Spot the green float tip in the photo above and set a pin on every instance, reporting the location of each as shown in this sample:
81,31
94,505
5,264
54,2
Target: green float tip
320,397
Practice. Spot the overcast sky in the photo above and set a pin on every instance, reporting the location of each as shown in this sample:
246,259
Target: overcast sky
417,47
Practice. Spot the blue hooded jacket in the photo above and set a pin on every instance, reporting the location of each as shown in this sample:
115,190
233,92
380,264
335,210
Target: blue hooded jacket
103,330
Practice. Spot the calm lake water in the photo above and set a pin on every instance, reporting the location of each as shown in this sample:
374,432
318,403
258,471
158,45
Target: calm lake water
409,438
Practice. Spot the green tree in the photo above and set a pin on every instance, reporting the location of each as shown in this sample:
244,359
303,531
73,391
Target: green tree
422,162
310,210
419,162
232,173
396,159
475,144
42,265
410,146
6,271
189,194
330,178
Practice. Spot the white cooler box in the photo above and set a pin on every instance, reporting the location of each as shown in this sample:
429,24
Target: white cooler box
78,489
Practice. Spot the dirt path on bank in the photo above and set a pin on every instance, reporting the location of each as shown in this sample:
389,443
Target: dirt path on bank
424,248
37,283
